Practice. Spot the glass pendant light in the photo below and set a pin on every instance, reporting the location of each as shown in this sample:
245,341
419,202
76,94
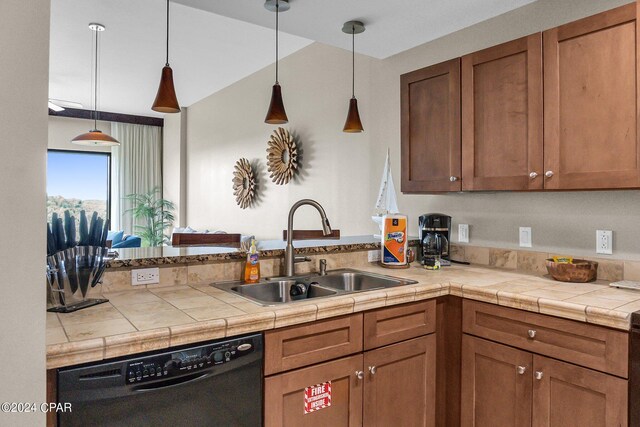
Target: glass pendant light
166,100
276,114
353,123
95,137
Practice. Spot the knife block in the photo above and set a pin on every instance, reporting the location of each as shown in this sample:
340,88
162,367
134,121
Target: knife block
72,275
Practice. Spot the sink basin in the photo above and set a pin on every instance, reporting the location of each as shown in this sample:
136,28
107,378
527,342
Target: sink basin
336,282
278,292
356,281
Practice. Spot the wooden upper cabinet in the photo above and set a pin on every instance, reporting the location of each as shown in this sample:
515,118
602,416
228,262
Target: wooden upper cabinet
430,118
502,117
590,108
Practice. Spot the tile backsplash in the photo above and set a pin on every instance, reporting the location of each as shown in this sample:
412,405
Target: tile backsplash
119,279
534,262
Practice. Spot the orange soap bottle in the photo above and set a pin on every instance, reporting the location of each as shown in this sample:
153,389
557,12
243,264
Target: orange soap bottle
252,267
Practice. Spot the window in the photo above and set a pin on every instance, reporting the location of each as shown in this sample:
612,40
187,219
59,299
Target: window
78,180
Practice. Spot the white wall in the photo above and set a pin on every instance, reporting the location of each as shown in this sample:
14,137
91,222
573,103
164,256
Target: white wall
343,171
63,129
174,163
316,87
24,43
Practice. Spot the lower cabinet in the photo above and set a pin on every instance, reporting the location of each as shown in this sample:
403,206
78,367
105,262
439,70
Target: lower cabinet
400,384
392,385
496,384
284,395
504,386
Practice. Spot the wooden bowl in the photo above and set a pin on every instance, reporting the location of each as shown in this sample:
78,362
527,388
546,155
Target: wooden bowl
580,271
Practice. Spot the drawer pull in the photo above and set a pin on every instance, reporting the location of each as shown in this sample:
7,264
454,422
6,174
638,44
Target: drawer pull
359,375
522,370
531,333
372,369
538,375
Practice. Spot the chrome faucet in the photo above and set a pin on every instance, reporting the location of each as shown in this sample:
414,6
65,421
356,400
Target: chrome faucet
289,254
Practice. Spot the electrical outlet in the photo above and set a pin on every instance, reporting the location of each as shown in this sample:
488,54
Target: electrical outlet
374,256
604,242
463,233
525,237
145,276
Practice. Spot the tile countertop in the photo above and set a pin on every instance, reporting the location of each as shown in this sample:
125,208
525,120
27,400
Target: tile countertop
163,255
141,320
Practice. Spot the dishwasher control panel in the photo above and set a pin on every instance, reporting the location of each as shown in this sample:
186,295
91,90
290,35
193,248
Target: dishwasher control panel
183,362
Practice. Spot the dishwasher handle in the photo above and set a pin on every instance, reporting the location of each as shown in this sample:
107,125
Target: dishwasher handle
171,382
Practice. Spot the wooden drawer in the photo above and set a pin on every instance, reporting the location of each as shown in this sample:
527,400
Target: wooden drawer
394,324
297,346
592,346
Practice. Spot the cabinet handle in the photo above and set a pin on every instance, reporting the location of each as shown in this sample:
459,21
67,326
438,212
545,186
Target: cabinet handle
548,174
531,333
538,375
453,178
359,375
373,370
533,175
521,370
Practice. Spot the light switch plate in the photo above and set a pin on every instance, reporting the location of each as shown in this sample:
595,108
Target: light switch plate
463,233
145,276
525,237
374,256
604,242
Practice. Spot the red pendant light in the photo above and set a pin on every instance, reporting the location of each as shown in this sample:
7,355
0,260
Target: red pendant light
276,114
166,100
353,124
95,137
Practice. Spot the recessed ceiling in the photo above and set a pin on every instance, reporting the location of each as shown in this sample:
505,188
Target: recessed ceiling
208,52
392,26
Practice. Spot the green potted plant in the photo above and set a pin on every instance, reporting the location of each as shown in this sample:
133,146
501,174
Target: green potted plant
157,214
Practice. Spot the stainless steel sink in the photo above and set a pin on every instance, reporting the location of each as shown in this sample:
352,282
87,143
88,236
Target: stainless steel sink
279,291
357,281
336,282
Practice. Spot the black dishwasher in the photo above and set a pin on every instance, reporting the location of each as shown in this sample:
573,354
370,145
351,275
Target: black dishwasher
216,383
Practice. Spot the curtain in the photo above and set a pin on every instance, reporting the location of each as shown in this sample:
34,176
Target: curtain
136,168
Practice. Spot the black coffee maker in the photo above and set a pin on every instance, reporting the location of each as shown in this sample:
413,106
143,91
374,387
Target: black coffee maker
434,232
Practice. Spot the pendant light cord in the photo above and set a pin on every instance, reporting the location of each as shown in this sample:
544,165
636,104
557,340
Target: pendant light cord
353,61
95,88
277,13
167,62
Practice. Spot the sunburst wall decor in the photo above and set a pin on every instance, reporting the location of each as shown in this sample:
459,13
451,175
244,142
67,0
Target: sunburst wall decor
282,156
244,183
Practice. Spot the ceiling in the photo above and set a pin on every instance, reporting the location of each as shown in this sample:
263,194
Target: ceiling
207,52
392,26
216,43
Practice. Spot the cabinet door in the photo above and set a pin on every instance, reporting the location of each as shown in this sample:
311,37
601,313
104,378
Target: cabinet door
496,384
590,109
284,396
400,384
502,117
568,395
431,128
